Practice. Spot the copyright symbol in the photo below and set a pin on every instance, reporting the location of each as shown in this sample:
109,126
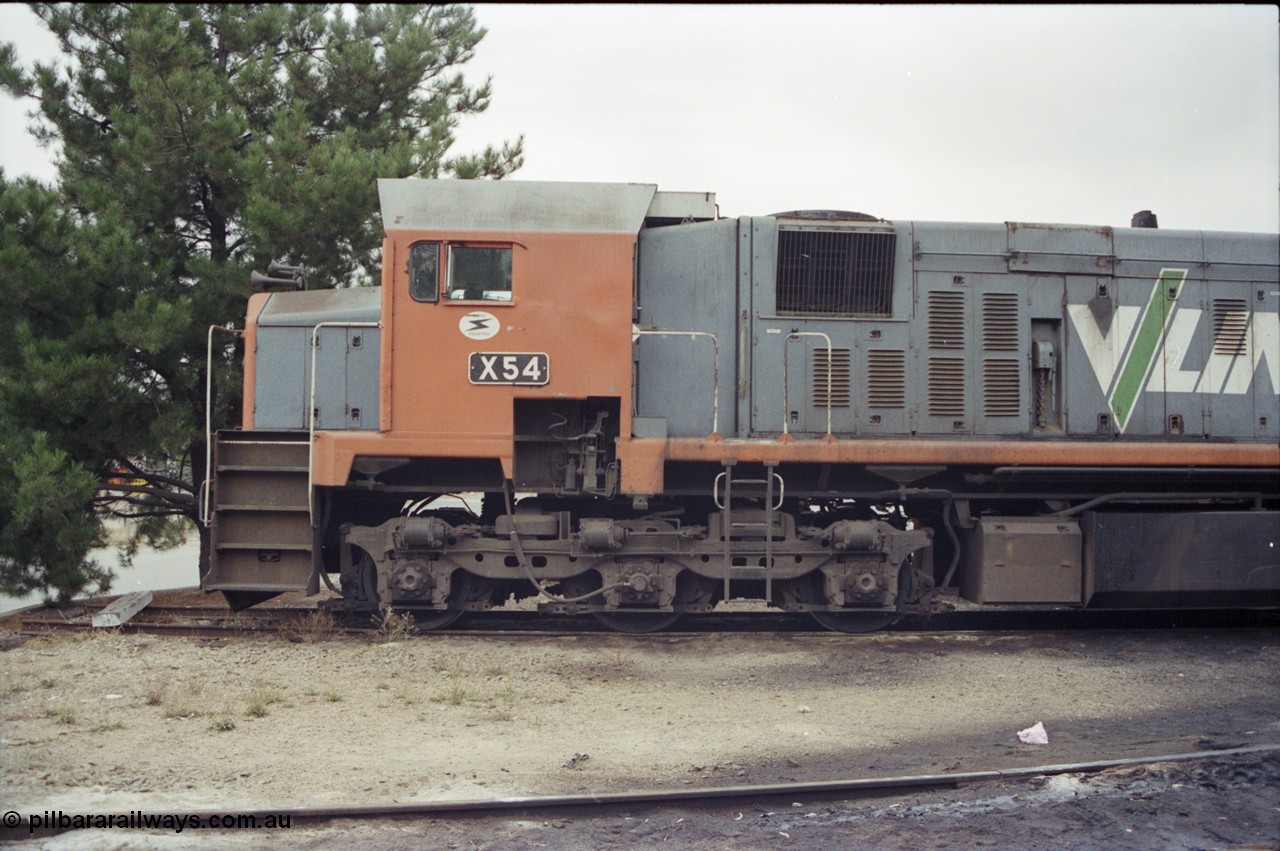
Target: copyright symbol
12,819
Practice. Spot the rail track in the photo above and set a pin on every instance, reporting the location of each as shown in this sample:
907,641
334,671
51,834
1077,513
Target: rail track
603,802
302,622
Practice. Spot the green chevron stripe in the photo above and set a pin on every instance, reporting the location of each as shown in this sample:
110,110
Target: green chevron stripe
1151,328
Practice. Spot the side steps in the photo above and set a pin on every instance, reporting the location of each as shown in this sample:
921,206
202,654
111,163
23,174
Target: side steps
262,539
743,529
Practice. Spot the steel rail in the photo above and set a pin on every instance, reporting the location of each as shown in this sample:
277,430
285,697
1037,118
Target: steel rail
680,796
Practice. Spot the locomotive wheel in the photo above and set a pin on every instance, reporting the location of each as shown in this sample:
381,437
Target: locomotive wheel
466,588
637,623
855,621
809,590
634,622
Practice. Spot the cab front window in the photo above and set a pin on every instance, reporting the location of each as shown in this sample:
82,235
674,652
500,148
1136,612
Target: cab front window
479,273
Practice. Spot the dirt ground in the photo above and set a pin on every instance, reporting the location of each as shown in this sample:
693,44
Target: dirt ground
113,723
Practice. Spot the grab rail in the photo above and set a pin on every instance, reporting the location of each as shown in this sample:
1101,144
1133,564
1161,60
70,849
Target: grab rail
202,497
715,354
796,335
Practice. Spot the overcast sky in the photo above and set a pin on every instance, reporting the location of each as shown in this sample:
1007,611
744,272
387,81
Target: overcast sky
1081,114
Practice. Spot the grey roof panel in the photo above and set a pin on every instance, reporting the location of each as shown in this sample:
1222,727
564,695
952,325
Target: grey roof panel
515,206
311,307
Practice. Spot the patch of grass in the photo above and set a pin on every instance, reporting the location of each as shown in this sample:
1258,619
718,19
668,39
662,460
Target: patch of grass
333,696
47,682
456,695
260,701
222,725
507,695
62,714
107,727
156,693
181,709
186,704
394,626
310,628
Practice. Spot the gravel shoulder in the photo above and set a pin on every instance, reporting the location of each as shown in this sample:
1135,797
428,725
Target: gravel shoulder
115,722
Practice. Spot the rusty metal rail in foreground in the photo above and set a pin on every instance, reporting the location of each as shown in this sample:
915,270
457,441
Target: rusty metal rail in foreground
607,800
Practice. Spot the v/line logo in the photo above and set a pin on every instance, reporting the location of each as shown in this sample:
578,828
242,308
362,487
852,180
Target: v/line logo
1145,347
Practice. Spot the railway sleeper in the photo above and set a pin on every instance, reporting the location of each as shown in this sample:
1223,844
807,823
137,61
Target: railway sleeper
642,565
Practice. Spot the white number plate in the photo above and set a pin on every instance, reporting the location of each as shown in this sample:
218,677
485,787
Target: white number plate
509,368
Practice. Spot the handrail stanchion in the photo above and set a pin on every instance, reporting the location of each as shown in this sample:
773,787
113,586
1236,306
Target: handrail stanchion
206,517
715,380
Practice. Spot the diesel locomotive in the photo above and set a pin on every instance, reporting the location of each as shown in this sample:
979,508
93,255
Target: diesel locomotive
612,398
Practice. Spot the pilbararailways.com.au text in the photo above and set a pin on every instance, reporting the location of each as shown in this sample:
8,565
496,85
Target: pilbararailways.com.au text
139,820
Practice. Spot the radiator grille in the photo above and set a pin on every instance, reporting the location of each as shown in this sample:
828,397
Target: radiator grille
1001,394
838,369
946,387
1000,322
835,273
1230,326
946,320
886,378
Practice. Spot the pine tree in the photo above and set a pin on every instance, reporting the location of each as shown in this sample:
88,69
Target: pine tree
198,142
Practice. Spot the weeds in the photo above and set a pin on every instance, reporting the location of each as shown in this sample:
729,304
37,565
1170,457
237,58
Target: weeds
185,705
261,700
458,694
394,626
108,726
157,692
222,725
502,701
181,710
62,714
310,628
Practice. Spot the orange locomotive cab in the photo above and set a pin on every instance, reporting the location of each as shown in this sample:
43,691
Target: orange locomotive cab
506,316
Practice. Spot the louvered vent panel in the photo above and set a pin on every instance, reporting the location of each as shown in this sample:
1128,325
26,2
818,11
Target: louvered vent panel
946,387
835,273
831,376
1000,322
1230,326
886,378
946,320
1001,394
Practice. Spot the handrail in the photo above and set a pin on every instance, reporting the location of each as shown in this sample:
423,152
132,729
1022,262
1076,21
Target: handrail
311,409
796,335
715,354
206,517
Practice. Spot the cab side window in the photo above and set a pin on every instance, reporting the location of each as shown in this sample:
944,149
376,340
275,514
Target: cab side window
424,271
479,274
